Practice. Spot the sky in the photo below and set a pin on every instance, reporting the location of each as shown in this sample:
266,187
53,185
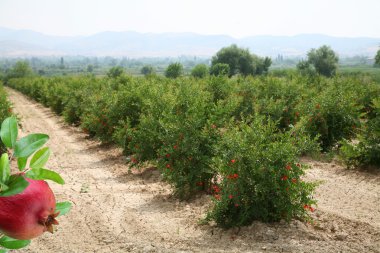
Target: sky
237,18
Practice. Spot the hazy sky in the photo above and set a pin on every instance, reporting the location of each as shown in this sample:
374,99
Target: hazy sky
238,18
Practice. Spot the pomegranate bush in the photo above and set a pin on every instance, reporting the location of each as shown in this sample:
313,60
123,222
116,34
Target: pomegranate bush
367,150
175,134
27,204
187,141
259,176
339,108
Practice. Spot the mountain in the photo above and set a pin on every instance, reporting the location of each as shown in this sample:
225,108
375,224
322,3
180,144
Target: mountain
18,43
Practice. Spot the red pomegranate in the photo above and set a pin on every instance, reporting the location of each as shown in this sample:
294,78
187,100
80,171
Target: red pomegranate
28,214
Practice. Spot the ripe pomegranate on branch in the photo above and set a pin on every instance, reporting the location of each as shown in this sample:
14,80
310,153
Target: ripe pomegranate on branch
27,204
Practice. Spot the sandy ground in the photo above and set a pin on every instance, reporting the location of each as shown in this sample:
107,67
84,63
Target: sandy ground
117,211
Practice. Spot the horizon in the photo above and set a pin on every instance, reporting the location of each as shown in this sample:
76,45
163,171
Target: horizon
238,19
194,33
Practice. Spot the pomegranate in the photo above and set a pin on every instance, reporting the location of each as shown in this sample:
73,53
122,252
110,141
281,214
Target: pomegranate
28,214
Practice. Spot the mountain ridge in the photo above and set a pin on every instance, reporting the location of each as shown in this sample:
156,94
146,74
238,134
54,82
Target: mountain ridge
19,43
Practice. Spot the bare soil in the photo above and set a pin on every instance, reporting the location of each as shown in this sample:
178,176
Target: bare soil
117,211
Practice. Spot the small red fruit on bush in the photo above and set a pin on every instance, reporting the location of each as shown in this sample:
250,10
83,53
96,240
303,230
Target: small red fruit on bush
28,214
233,176
283,178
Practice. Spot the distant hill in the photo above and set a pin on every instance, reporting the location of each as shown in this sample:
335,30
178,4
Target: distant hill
15,43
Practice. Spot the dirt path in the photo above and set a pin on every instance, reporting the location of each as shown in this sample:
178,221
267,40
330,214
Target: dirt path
119,212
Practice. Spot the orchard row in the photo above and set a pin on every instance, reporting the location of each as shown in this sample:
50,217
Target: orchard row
238,139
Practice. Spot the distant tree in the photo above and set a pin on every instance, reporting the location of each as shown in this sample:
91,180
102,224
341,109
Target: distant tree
220,69
147,70
241,61
262,64
324,60
199,71
41,72
62,64
90,68
174,70
238,60
115,72
377,59
20,69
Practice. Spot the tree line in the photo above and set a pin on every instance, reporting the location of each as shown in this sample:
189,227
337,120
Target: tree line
228,61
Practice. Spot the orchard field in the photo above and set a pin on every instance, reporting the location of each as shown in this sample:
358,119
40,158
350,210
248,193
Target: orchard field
285,163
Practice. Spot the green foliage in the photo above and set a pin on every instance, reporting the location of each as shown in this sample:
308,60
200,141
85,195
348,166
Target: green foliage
9,132
90,68
63,207
10,243
44,174
240,61
147,70
187,138
174,70
332,115
366,150
305,68
262,64
20,69
29,144
200,71
260,176
220,69
5,111
104,116
324,60
377,59
109,108
115,72
40,158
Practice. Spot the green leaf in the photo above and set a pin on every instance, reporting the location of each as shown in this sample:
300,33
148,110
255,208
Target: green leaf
9,132
21,162
16,184
40,158
3,187
29,144
44,174
10,243
3,251
5,170
63,208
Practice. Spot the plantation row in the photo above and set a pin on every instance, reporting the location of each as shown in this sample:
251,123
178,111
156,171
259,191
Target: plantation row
238,139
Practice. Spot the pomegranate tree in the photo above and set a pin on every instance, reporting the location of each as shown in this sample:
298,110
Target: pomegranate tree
27,204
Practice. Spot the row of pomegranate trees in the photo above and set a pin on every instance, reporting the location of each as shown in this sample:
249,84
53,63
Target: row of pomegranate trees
27,204
237,139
